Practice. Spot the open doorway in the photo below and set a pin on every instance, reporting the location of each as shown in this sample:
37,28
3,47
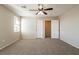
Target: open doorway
48,29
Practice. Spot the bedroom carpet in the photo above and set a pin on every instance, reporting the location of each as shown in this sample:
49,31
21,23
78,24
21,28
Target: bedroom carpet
40,47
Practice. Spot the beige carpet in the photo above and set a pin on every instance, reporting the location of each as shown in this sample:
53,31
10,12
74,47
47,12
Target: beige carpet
39,47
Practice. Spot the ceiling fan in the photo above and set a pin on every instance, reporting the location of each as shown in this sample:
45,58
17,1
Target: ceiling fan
40,9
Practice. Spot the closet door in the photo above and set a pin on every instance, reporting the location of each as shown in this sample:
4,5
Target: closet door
55,29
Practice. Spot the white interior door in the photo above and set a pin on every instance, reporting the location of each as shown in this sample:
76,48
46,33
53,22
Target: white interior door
54,28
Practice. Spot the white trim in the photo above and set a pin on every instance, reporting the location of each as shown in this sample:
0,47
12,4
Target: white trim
66,41
6,45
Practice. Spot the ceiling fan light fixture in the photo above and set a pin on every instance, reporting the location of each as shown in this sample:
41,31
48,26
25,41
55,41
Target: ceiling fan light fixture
41,10
40,6
40,13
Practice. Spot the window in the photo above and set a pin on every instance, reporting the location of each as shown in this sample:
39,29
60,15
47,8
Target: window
16,24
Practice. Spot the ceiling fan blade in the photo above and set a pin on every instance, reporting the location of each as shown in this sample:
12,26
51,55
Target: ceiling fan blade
44,12
32,10
37,13
48,9
40,6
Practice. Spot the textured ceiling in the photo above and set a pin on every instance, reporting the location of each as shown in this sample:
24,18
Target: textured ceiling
58,9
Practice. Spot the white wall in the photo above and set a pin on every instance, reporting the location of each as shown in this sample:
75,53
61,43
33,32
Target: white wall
40,28
28,27
7,34
69,27
34,27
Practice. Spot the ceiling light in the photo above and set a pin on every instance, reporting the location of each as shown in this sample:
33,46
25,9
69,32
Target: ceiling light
40,13
40,6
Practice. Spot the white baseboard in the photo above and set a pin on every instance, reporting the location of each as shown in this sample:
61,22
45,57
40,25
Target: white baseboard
11,42
70,43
